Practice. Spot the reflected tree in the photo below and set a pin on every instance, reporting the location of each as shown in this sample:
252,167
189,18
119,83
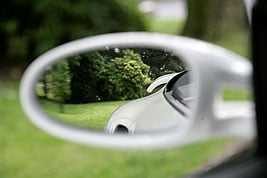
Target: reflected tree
97,76
108,75
161,62
56,84
85,79
124,77
60,83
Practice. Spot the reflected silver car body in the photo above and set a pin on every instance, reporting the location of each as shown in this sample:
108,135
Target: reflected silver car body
148,114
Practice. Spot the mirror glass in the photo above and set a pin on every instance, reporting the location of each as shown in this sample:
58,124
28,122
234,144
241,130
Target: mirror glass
118,90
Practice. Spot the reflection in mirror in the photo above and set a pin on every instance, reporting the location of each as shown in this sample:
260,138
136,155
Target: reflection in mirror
117,90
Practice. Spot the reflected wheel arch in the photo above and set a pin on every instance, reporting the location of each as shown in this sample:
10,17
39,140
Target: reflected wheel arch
121,129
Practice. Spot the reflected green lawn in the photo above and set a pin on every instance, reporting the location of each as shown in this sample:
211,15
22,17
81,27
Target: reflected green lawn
91,115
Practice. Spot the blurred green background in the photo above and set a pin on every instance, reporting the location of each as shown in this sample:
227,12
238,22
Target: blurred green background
29,28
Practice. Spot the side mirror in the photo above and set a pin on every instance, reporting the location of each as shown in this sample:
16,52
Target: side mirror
181,112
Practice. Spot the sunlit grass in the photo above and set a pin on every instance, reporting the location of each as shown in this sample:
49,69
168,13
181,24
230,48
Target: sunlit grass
238,42
162,25
236,95
26,151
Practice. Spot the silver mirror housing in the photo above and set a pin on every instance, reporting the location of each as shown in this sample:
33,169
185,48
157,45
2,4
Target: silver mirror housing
212,67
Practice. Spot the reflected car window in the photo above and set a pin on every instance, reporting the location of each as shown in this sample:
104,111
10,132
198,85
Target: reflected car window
178,90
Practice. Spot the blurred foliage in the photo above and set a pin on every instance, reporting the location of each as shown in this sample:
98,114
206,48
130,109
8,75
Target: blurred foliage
29,28
212,19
